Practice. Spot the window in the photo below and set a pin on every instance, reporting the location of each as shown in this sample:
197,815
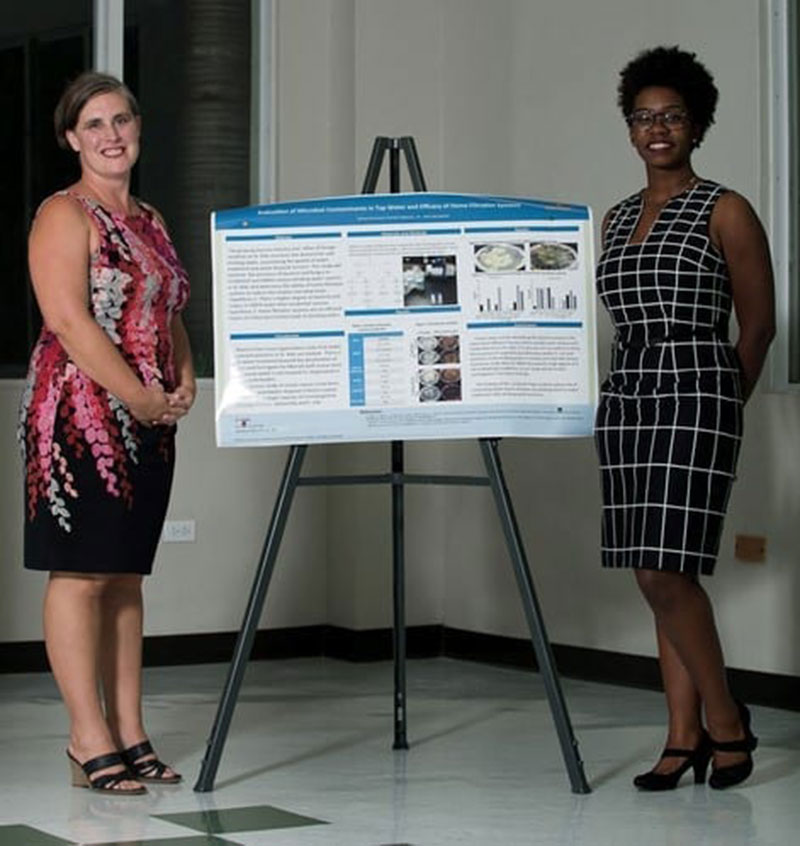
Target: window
784,105
205,128
188,62
41,45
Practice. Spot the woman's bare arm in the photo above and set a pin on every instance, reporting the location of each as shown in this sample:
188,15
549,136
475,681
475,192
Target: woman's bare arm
737,231
182,398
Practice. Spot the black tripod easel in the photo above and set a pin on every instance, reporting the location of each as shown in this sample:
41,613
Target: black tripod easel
398,479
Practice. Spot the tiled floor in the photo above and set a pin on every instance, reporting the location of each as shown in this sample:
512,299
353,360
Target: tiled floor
309,762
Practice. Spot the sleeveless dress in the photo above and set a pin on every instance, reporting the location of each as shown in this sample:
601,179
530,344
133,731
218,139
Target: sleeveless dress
97,482
669,421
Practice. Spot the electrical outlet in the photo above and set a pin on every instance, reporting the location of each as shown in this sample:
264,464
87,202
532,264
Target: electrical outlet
751,548
178,531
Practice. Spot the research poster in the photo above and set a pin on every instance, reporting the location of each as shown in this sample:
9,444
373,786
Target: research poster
403,317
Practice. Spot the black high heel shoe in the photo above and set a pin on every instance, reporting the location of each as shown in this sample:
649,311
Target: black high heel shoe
696,759
722,777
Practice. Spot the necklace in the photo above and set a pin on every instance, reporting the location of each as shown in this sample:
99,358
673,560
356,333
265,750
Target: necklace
690,183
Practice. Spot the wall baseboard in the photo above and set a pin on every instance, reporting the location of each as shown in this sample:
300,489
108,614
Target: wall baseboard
771,689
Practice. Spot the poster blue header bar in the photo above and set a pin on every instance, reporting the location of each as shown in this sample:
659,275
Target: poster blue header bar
286,237
522,229
411,208
379,233
538,324
265,336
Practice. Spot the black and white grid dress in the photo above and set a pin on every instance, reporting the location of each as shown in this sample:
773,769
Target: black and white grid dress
669,422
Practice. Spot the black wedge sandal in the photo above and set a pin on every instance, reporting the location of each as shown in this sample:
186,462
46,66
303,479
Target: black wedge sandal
151,770
109,783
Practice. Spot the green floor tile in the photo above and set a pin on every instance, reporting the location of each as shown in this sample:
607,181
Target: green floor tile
24,835
229,820
192,840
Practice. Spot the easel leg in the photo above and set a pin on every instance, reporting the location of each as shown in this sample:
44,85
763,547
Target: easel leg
533,614
399,597
244,643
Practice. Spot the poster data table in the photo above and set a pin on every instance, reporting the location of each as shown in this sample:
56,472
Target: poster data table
403,317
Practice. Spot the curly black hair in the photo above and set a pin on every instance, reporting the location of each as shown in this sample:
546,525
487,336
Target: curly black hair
671,67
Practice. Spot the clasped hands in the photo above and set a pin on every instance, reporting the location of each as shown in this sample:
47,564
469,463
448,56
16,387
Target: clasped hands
157,407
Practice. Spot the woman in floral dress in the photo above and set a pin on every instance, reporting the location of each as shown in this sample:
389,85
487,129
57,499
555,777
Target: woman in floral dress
109,377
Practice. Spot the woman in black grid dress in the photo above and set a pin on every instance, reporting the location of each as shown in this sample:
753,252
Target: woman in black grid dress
676,257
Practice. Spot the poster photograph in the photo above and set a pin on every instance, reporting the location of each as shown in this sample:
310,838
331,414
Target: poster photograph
403,317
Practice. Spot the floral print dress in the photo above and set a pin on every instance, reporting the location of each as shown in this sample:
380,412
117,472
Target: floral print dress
97,482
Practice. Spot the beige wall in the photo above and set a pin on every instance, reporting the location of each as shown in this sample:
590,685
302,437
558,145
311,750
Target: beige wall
518,97
507,97
202,586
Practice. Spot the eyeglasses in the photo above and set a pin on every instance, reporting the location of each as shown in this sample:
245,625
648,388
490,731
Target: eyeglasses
646,119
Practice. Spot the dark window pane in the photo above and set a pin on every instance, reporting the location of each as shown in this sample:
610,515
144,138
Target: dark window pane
794,193
188,62
13,298
42,46
53,63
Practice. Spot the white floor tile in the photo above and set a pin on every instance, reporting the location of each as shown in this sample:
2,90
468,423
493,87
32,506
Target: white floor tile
313,736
